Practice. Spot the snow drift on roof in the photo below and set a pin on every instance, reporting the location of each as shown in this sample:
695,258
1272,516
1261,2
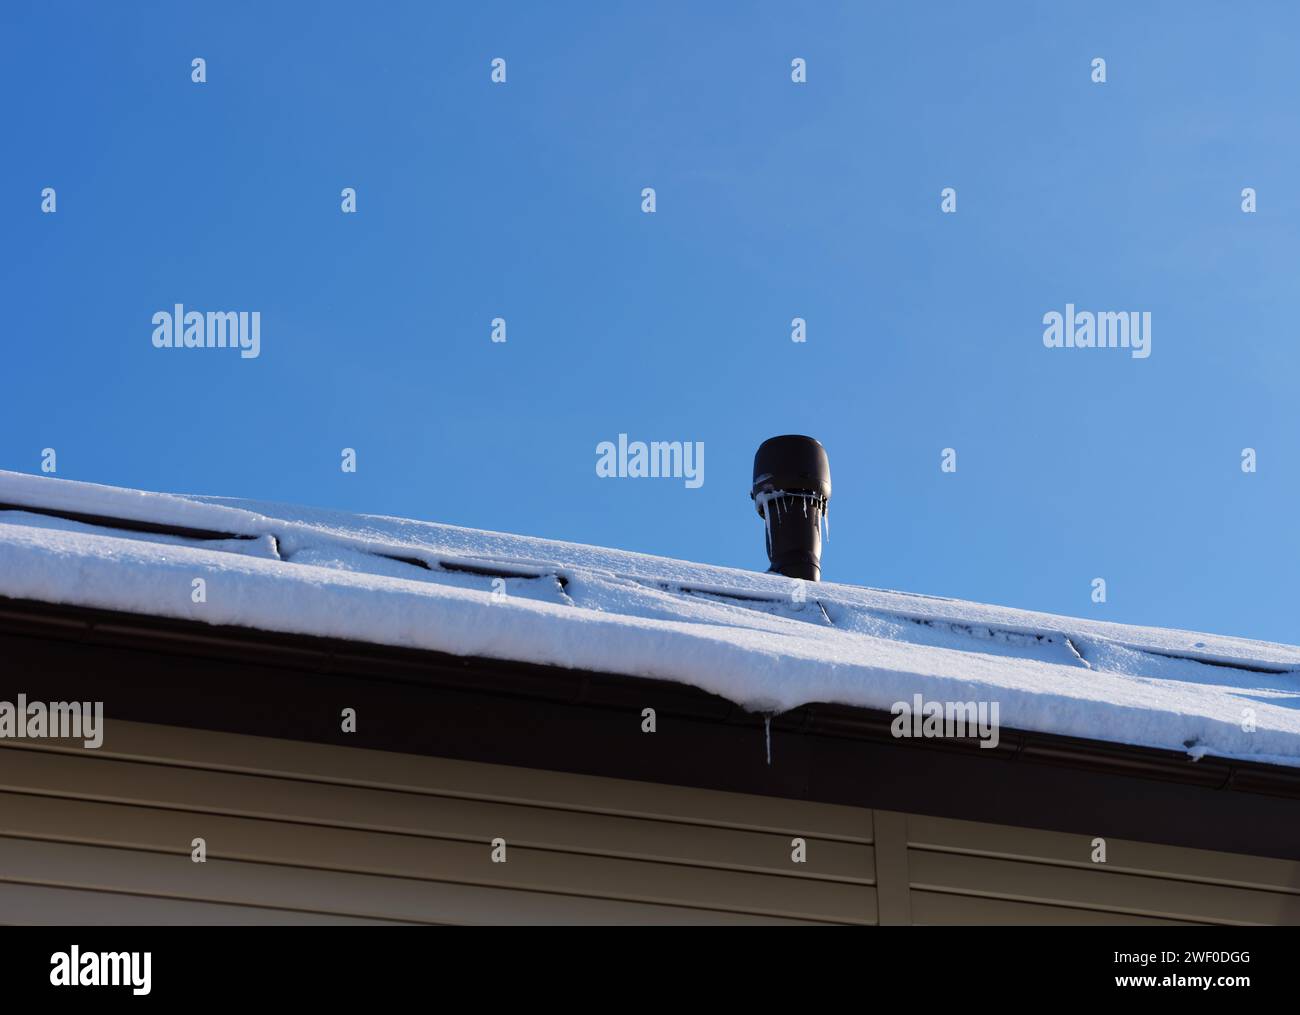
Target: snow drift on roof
739,634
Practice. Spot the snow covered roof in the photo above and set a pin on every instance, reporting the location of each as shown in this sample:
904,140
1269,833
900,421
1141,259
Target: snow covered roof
739,634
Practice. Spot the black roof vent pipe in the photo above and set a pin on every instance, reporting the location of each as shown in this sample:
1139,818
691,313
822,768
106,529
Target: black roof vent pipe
792,490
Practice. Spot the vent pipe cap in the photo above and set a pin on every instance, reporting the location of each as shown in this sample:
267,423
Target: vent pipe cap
791,492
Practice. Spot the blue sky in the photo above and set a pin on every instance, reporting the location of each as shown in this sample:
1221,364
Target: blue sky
774,201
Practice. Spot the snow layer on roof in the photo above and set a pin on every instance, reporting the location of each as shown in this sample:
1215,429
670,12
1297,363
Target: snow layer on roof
740,634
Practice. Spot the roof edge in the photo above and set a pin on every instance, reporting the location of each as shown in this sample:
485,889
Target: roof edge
593,689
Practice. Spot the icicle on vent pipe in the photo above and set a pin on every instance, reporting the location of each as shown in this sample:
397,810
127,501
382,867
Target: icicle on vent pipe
792,491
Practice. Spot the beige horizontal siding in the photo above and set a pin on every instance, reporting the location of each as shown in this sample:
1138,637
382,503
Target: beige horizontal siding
1099,888
434,859
89,777
50,905
1122,855
299,889
356,823
447,777
938,908
303,833
972,872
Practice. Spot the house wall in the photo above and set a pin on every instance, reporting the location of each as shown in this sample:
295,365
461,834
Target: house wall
309,833
939,871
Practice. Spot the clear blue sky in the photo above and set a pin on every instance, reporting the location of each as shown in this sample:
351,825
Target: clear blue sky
775,200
